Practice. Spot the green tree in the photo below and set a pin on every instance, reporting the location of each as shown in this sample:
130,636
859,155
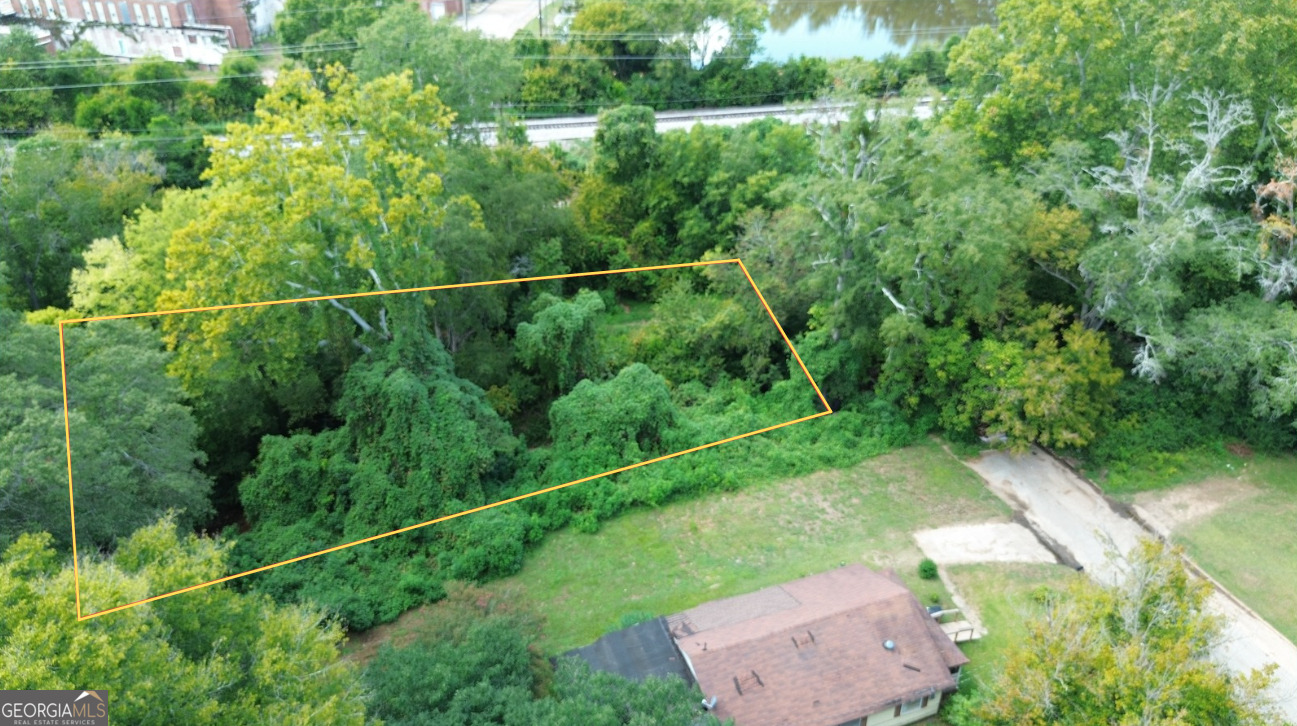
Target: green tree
560,343
417,443
309,25
179,146
583,696
337,212
127,274
704,337
133,440
1138,652
22,111
625,143
1059,70
1153,225
239,87
600,426
115,109
208,655
57,194
475,660
473,74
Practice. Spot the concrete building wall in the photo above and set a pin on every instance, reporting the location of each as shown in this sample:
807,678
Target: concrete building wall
205,46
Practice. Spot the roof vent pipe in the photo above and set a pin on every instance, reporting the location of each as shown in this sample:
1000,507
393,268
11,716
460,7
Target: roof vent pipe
889,645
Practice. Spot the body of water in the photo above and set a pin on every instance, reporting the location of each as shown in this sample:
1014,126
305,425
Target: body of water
866,28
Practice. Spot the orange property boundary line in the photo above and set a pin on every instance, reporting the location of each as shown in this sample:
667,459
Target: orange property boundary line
68,432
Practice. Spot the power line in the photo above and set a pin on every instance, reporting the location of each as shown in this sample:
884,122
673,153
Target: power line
184,79
58,63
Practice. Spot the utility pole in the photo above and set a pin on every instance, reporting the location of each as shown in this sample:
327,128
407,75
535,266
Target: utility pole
465,4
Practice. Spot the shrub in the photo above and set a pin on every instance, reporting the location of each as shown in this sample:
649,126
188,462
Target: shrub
634,617
928,569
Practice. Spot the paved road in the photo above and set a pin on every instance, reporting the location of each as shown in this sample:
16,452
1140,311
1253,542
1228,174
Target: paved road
542,132
1068,511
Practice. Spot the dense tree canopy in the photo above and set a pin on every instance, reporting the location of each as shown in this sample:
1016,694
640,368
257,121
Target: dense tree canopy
134,441
473,75
209,655
417,443
57,193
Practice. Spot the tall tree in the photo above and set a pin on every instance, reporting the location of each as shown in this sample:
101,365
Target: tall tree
559,343
209,655
417,443
134,452
1139,652
323,32
1059,69
474,75
335,189
22,110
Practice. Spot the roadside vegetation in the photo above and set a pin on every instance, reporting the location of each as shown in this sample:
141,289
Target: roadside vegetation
1216,514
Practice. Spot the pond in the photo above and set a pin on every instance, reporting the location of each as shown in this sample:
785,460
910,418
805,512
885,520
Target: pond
866,28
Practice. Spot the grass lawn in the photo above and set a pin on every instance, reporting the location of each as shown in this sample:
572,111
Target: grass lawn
1001,594
1250,545
667,560
1162,470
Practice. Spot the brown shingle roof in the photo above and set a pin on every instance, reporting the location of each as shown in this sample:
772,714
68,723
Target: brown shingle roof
811,651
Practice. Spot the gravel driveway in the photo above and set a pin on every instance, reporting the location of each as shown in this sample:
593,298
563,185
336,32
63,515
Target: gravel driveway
1082,526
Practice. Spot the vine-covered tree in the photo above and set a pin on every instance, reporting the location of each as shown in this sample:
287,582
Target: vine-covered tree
417,443
559,343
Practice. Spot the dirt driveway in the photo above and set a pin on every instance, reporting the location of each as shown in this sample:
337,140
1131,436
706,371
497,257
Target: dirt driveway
1081,525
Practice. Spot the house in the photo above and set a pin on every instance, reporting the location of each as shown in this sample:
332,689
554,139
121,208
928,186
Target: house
201,31
638,652
848,646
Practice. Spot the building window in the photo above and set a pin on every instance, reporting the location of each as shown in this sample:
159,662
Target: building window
99,10
193,39
153,16
909,707
112,12
176,49
26,10
189,14
49,6
137,17
63,9
165,12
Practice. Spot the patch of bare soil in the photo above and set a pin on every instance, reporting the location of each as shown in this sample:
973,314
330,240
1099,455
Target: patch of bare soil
1238,448
1175,508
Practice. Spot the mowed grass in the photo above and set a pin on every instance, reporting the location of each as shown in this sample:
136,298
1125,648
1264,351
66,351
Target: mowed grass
1250,545
669,559
1001,593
